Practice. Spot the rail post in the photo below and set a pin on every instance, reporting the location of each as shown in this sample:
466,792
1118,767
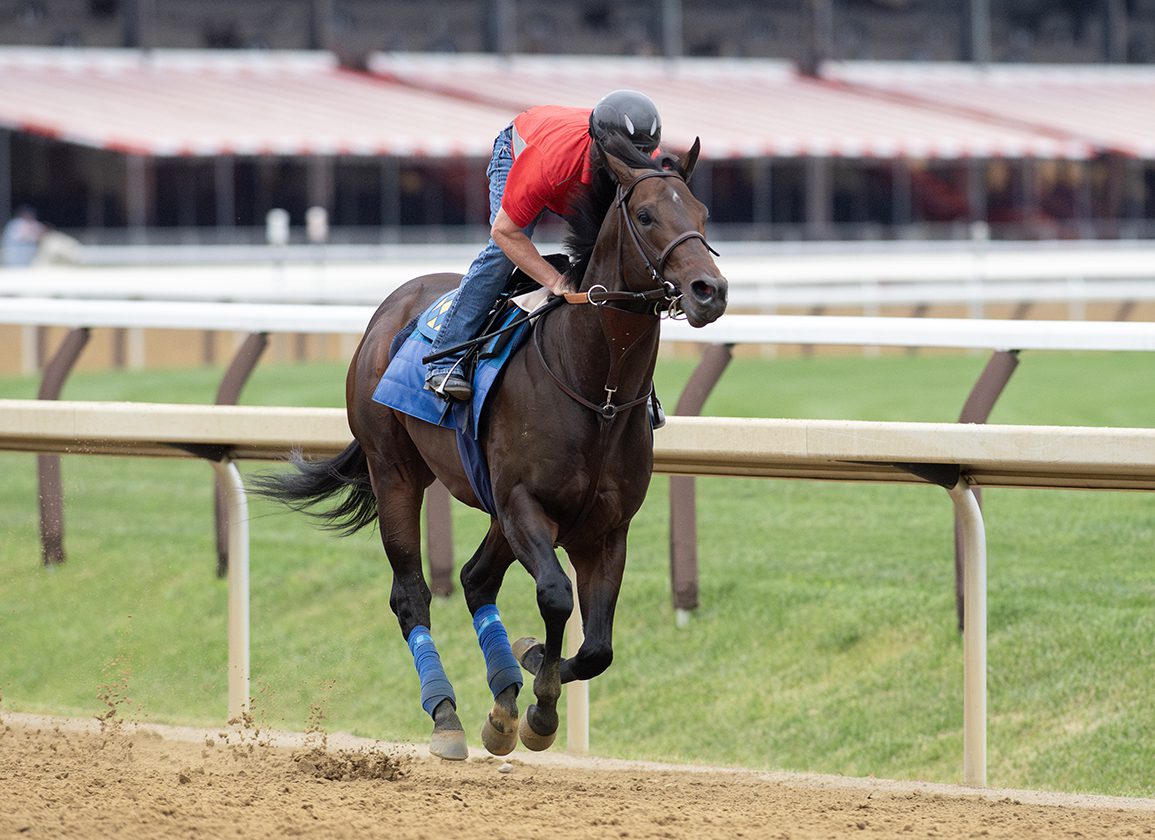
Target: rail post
683,498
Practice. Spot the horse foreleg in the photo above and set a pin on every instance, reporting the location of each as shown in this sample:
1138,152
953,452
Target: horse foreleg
481,580
599,569
531,534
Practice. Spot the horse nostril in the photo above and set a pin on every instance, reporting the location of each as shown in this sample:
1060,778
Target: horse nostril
703,290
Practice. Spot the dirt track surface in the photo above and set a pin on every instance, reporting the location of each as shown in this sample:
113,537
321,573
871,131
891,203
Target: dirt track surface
96,779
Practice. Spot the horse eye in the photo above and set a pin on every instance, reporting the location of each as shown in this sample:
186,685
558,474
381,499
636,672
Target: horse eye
644,217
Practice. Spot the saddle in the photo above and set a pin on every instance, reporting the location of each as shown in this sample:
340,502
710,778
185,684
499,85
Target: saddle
402,386
521,291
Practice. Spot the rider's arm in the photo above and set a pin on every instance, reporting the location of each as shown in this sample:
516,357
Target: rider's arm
523,253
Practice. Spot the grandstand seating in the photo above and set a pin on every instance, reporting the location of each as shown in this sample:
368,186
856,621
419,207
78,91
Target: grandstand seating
761,143
925,30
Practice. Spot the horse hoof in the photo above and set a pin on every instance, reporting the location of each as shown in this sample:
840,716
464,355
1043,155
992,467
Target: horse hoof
449,744
499,740
531,739
528,652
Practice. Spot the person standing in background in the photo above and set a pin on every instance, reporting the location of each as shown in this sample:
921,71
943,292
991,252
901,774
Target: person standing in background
22,236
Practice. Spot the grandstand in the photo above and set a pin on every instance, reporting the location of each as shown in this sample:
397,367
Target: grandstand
1047,31
167,121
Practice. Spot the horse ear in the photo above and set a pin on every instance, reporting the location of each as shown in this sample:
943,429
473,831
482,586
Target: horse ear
622,172
689,160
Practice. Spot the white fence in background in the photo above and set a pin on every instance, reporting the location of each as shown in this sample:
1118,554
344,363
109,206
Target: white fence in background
962,333
762,278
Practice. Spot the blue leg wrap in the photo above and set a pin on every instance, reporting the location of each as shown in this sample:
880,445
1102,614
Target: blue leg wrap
435,685
501,669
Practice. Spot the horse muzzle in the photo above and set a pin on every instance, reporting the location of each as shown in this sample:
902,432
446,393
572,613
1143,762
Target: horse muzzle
704,299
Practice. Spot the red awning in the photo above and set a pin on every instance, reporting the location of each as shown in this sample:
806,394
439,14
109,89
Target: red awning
740,108
195,103
1111,108
172,103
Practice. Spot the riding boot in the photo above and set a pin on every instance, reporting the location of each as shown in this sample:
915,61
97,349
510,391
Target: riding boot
452,383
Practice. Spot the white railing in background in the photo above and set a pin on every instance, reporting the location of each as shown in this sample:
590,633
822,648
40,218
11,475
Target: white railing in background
1006,337
761,277
968,333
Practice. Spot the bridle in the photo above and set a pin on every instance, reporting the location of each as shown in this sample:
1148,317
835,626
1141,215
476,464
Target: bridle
621,328
666,296
657,273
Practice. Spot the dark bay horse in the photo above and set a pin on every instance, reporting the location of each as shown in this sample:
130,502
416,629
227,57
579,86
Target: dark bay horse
567,437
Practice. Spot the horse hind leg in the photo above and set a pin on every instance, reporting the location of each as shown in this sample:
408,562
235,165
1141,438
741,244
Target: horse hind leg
481,580
399,487
437,698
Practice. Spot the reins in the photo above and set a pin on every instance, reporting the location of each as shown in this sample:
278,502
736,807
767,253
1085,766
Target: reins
598,295
548,306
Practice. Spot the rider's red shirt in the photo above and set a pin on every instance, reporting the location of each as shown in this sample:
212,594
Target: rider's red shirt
552,166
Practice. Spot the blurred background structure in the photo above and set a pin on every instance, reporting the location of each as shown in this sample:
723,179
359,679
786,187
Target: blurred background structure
187,121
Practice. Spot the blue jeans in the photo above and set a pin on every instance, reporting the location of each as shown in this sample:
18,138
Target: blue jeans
489,272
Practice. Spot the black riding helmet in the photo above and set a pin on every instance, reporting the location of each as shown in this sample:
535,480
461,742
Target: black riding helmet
628,113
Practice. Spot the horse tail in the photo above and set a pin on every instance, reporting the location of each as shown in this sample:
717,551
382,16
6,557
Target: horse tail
344,477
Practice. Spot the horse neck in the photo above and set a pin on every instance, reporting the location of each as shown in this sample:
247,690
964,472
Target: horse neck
592,339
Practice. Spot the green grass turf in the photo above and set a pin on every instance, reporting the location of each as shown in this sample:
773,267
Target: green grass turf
825,641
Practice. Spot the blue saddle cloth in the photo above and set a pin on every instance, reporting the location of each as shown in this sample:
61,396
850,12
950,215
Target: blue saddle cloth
402,386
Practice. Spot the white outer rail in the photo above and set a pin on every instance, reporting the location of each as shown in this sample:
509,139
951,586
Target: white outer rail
1034,456
969,333
970,515
796,274
959,333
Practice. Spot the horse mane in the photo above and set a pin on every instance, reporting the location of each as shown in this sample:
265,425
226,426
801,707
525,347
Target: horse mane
589,210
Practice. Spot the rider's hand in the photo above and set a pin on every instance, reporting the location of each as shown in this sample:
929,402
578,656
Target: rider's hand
560,285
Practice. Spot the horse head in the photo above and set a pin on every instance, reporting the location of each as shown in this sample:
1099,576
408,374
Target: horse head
663,231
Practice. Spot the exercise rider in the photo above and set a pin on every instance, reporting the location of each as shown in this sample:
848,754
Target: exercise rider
541,162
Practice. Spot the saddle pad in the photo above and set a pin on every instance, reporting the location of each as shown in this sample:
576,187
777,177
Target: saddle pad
402,387
429,322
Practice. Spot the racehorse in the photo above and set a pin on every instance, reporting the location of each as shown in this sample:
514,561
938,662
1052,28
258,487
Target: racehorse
567,437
